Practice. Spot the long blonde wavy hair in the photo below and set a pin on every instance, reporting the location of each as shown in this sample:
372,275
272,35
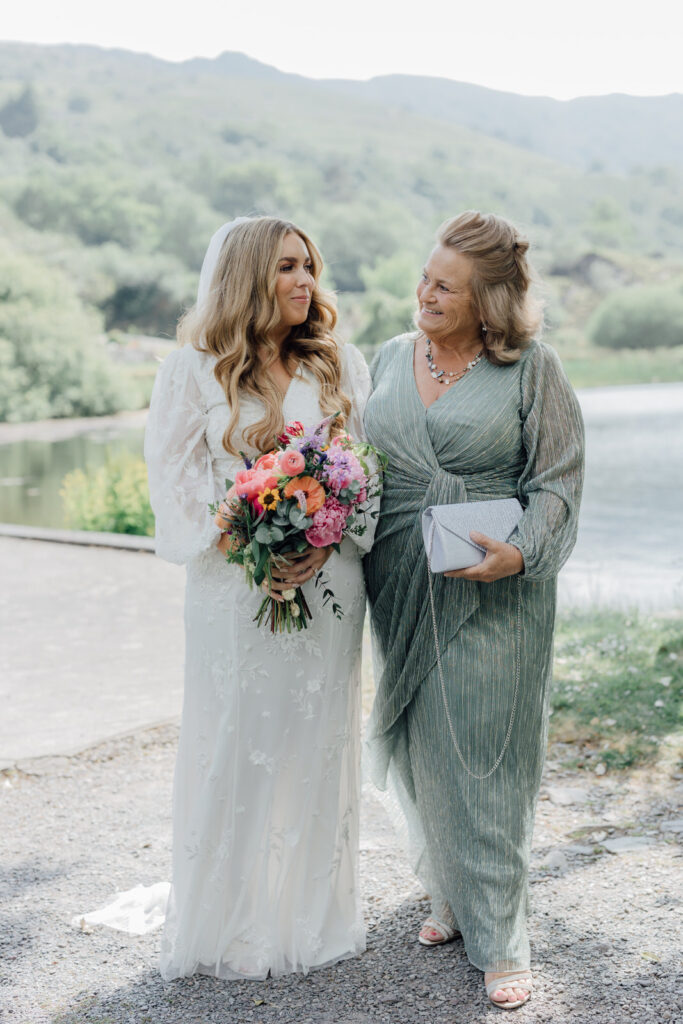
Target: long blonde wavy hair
501,281
236,321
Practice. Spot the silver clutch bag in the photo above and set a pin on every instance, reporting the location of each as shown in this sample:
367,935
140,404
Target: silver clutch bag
446,530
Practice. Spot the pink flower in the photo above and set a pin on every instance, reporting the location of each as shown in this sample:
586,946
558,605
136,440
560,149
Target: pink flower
292,463
267,461
328,524
250,482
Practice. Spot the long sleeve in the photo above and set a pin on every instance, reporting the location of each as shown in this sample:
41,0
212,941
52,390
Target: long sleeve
181,483
550,486
357,385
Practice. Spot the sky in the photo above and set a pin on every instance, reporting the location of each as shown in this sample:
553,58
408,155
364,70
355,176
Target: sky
534,47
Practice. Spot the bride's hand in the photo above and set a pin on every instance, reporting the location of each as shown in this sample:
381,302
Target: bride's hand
225,543
304,565
223,517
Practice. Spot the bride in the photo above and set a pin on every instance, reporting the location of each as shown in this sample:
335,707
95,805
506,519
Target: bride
266,791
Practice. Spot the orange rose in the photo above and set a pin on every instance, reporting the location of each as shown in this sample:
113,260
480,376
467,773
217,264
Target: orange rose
314,492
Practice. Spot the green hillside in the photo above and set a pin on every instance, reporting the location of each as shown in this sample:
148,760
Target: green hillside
115,168
614,133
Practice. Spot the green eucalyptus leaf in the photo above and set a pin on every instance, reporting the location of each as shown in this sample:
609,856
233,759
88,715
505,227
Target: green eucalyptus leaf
264,534
297,518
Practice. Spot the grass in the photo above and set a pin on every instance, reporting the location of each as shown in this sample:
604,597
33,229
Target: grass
618,687
604,368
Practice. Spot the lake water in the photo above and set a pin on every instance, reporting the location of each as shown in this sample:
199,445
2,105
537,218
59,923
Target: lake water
630,547
32,470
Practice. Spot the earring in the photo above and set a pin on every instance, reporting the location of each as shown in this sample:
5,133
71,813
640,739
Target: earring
484,329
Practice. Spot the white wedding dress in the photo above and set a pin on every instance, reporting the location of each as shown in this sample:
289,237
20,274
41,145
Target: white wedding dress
266,792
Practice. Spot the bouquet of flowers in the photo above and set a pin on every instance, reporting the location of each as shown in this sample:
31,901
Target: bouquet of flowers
309,490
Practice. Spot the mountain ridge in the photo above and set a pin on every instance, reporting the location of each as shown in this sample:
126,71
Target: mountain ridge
614,133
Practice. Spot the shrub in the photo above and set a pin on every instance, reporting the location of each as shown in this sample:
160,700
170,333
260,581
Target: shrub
353,239
50,362
20,116
91,203
79,103
111,499
388,301
143,306
644,317
384,316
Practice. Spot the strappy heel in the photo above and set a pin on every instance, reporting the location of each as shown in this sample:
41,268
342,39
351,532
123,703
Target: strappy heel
520,979
445,933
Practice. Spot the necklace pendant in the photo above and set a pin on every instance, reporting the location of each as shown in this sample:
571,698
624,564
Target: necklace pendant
448,376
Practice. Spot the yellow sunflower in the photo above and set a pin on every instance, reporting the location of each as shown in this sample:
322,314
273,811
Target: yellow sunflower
269,498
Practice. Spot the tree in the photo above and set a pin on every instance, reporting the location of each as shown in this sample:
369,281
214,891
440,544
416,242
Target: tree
247,188
50,363
389,301
646,317
20,116
144,305
355,237
92,204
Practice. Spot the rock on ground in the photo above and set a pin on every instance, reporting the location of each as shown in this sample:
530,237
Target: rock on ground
604,927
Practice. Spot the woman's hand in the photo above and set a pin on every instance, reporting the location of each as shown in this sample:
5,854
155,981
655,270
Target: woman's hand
501,560
304,565
225,543
223,517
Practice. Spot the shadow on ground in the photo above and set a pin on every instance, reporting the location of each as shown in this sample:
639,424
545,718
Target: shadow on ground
400,982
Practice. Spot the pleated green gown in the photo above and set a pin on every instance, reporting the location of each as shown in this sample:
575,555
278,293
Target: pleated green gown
499,432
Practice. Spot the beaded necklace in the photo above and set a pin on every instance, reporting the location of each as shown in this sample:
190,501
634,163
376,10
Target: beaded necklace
447,376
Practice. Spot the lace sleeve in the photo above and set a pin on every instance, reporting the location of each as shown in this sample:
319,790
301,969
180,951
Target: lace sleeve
181,482
551,483
357,385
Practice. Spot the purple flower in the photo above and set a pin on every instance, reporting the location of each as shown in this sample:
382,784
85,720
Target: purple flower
341,468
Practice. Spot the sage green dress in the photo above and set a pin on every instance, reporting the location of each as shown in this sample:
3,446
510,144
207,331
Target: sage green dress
499,432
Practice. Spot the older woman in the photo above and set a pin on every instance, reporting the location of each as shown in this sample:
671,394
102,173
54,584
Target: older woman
470,408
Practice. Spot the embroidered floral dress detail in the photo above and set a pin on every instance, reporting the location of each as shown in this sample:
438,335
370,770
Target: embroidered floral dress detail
266,794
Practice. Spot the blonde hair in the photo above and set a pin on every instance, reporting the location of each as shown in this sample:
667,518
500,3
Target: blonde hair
238,317
501,279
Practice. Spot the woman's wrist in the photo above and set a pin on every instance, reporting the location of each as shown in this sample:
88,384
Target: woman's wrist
520,558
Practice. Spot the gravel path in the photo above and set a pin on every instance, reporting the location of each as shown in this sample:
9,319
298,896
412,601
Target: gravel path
603,924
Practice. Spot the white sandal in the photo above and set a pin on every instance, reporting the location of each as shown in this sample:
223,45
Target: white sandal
520,979
445,933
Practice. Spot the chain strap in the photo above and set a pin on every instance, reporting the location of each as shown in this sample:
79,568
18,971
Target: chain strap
518,644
